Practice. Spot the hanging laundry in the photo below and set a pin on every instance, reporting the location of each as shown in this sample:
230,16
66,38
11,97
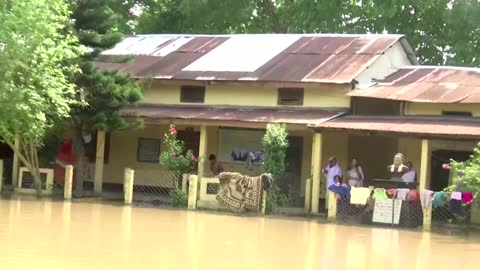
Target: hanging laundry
391,193
456,206
402,193
426,197
439,199
342,190
413,196
253,156
456,195
359,195
467,197
380,194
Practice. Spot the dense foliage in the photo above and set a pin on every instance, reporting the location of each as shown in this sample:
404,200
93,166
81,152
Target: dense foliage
176,158
468,173
275,144
440,31
35,91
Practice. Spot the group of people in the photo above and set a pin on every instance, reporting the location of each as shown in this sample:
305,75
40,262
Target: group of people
355,176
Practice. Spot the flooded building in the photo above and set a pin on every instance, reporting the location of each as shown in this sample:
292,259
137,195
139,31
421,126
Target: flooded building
348,96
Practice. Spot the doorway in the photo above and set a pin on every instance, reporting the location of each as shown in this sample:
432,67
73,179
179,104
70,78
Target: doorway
6,154
439,177
191,139
291,183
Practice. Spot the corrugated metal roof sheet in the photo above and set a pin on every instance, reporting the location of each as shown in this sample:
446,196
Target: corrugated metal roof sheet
322,58
428,84
240,114
434,127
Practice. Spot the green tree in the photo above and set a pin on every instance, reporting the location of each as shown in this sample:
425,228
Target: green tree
104,93
275,144
468,173
35,92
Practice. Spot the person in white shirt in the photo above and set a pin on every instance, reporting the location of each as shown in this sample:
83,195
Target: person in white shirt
411,175
355,174
331,170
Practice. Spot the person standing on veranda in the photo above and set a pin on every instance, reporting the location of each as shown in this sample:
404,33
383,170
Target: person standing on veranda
355,174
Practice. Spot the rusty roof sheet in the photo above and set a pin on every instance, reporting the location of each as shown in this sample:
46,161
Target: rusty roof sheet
238,114
320,58
428,85
433,126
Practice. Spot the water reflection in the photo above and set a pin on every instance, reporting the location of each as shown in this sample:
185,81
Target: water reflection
62,235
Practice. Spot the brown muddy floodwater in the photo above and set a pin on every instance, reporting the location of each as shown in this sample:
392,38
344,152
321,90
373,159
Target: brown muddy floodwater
50,235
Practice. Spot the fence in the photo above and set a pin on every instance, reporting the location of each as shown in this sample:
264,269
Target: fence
159,187
413,209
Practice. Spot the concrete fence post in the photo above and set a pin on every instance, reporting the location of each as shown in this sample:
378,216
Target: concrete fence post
263,208
1,175
128,185
67,189
332,206
308,195
192,192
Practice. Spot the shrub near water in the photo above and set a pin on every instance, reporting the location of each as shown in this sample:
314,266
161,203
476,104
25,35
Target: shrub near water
275,144
177,159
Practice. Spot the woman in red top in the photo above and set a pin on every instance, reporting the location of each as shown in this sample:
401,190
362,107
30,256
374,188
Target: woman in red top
64,158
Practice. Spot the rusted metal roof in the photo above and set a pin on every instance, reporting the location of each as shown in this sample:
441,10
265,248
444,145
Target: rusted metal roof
429,127
314,58
237,114
428,85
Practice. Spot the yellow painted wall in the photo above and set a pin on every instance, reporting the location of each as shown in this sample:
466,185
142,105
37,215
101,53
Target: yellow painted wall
328,96
123,154
374,153
411,148
436,109
334,144
162,94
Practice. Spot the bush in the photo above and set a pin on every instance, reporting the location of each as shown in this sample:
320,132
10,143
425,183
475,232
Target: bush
275,144
468,172
178,197
176,158
276,198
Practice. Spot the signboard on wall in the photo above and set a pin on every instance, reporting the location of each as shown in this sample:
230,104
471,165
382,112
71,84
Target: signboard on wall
387,210
234,144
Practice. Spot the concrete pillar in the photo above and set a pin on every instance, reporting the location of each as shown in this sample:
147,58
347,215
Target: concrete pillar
332,206
427,218
128,185
263,208
308,195
99,161
202,151
316,171
192,192
67,189
1,175
16,162
424,182
424,165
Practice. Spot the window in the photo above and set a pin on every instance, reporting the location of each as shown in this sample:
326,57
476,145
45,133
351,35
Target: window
192,94
290,96
148,150
457,113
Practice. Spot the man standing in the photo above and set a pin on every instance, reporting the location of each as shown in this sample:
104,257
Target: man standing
330,171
